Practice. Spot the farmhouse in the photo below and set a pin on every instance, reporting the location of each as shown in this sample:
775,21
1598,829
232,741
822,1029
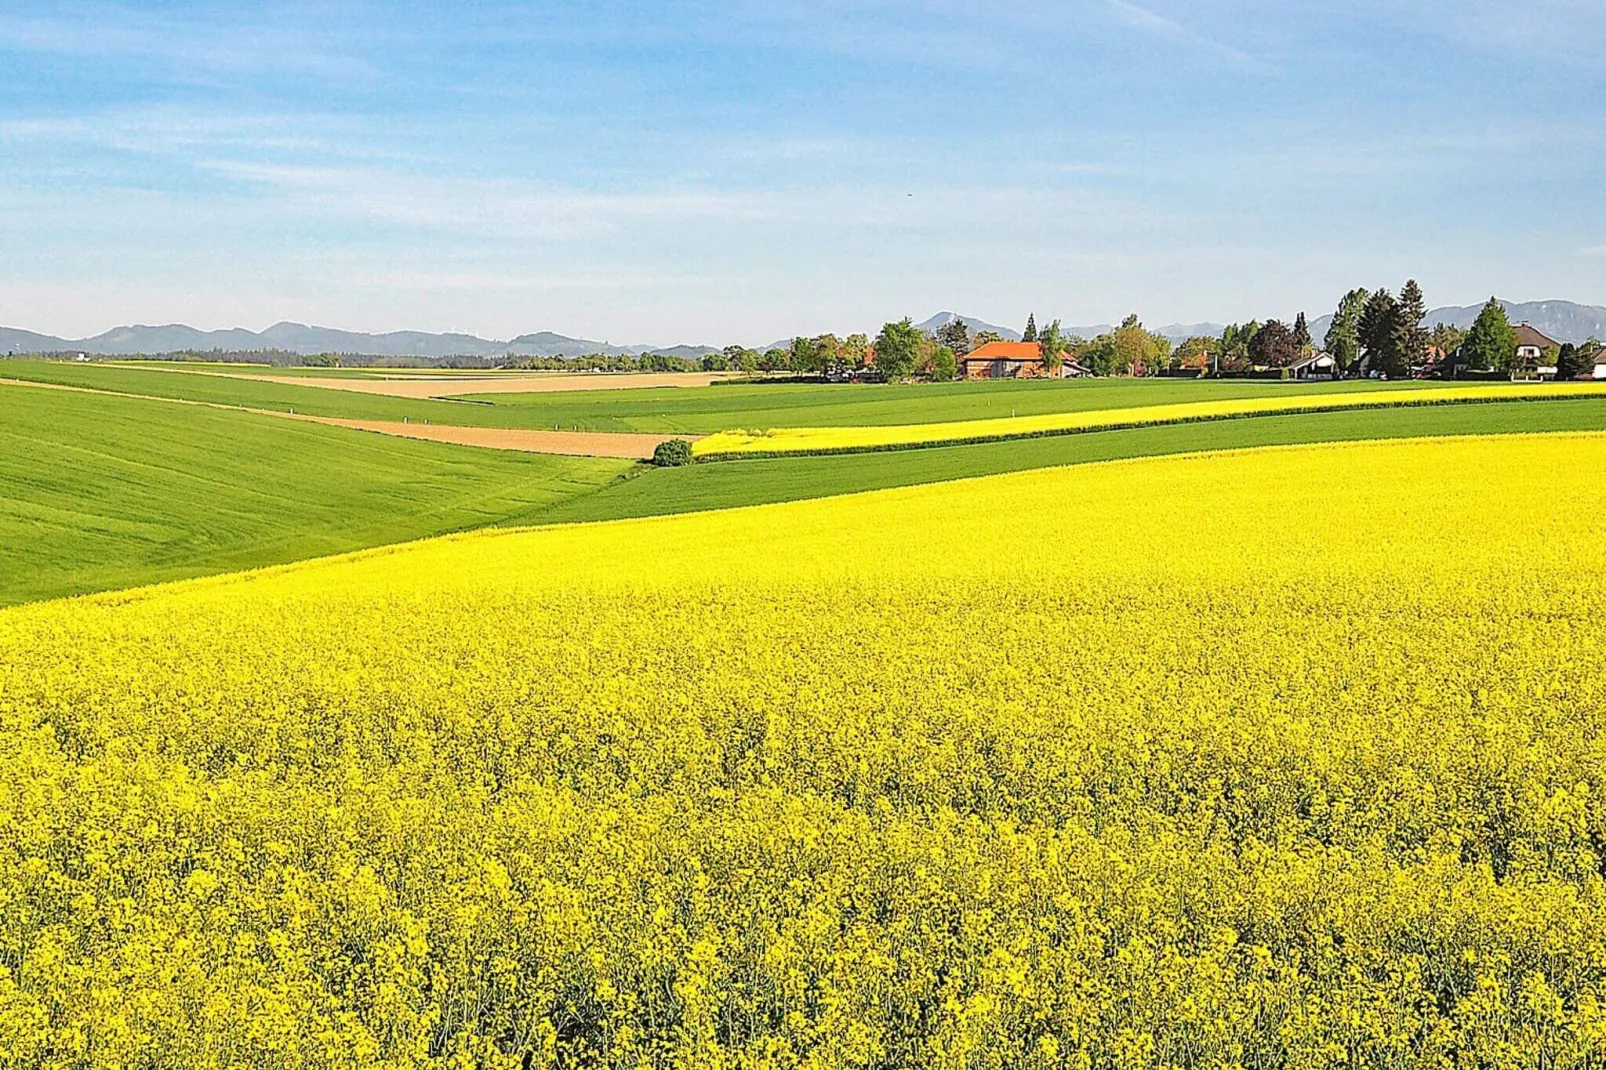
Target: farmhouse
1012,360
1531,348
1315,366
1600,363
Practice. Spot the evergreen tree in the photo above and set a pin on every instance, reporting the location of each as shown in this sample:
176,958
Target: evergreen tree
1382,336
1343,337
1490,343
1413,336
1302,339
1569,363
1030,334
955,335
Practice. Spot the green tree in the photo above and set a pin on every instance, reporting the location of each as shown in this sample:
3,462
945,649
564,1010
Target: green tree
1030,334
1343,336
1382,335
1446,338
1196,352
984,337
1099,355
944,365
955,335
804,356
856,350
1413,337
828,353
1052,345
1235,343
897,348
1568,362
1491,343
1302,339
1136,351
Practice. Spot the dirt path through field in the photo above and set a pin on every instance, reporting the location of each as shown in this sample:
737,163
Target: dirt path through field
573,443
456,386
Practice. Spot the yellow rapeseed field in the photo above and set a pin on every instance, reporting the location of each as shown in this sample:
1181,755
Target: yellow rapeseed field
862,439
1286,758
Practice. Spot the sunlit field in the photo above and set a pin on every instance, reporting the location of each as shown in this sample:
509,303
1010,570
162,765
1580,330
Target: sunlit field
1288,757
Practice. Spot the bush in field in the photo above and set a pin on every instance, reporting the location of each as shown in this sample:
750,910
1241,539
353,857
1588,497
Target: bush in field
672,453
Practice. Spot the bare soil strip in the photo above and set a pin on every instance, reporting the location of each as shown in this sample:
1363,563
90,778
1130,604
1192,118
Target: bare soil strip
456,386
576,443
572,443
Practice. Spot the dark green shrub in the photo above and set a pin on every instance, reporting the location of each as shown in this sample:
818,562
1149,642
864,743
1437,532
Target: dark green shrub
672,453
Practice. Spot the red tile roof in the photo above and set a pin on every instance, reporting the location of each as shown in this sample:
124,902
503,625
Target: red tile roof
1006,351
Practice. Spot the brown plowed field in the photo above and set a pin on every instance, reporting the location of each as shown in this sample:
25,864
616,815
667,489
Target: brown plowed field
578,443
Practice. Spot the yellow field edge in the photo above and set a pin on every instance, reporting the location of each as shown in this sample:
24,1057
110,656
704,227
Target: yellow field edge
820,440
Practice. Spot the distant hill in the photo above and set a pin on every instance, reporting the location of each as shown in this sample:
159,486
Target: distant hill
305,340
550,344
1565,321
15,340
942,319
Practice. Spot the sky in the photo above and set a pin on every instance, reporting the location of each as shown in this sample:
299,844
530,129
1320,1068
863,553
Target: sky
701,171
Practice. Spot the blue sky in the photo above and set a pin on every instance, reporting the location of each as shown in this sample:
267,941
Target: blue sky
706,171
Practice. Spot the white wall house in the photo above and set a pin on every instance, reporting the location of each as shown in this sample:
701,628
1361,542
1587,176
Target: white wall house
1532,344
1315,366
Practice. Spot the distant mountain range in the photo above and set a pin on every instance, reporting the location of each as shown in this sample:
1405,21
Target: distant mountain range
305,340
1564,321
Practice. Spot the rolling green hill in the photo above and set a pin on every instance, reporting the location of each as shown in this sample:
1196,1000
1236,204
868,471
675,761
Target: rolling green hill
101,492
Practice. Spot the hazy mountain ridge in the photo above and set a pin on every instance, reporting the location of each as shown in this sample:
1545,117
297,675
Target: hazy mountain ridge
1564,321
308,340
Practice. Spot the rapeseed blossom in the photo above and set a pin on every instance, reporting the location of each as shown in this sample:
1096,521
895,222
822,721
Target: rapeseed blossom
796,440
1291,757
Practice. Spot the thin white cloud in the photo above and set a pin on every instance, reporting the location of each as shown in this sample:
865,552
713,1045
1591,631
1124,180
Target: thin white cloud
1145,20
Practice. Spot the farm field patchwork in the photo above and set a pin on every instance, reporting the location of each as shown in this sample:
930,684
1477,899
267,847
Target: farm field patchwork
776,405
694,410
98,491
1288,757
858,439
764,480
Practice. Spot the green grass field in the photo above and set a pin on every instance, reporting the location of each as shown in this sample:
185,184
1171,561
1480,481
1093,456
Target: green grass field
103,492
771,405
733,483
689,410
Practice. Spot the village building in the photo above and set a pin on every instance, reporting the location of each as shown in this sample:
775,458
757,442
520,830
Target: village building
1532,345
1014,360
1317,366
